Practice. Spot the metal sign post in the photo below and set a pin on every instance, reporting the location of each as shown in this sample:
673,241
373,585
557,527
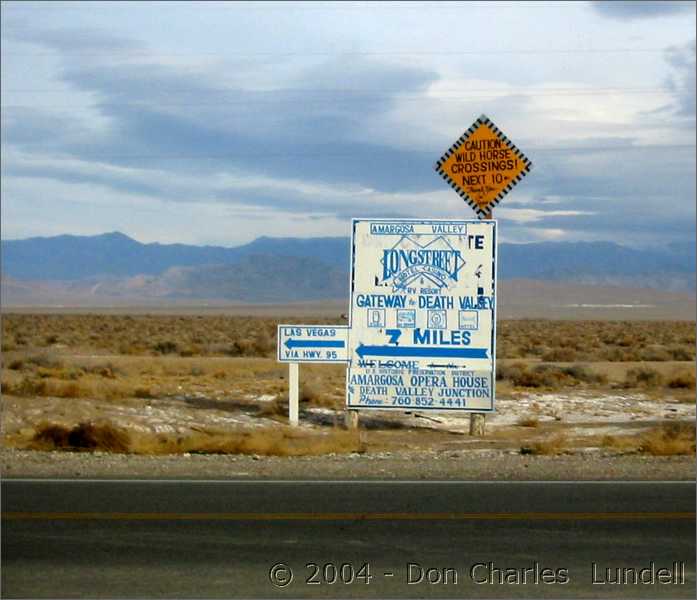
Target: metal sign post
478,420
293,393
482,166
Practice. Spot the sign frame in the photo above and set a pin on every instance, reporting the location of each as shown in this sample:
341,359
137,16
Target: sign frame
352,331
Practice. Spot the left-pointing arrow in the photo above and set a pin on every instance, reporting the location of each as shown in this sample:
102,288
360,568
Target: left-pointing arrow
423,352
291,343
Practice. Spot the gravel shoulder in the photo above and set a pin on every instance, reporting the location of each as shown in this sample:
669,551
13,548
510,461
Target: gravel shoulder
467,465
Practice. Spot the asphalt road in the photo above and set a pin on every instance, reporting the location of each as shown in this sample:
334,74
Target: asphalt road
195,539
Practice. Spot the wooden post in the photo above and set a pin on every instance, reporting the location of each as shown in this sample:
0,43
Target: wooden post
478,420
293,393
351,419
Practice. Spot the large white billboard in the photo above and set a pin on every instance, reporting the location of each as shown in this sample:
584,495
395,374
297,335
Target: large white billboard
423,315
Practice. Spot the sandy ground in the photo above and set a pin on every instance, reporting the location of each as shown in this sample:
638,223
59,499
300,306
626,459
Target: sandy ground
603,413
399,445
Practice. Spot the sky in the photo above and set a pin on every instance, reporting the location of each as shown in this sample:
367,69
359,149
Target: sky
217,123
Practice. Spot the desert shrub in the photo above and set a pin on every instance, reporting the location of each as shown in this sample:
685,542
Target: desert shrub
61,389
644,377
27,387
239,348
143,392
615,354
626,341
560,355
165,347
540,376
256,344
33,386
684,380
83,437
682,353
509,372
548,376
130,349
16,365
44,361
654,353
277,441
191,350
278,407
106,370
528,422
8,344
557,444
66,374
310,392
583,374
669,439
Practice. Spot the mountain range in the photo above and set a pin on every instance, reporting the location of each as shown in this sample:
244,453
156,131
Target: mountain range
113,265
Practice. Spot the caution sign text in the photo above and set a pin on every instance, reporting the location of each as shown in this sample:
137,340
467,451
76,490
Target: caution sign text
483,165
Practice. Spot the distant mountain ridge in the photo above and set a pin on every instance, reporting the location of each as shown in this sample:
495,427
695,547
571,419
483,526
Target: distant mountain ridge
72,257
294,269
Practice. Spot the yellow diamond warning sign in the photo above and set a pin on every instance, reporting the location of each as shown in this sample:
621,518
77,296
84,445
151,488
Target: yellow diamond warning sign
483,166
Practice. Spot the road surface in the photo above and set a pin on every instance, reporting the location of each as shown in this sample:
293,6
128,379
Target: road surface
204,539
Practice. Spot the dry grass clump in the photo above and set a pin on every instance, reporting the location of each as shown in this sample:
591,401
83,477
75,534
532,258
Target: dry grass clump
643,377
277,441
165,347
37,386
320,393
684,380
528,422
278,407
312,393
91,437
32,386
668,439
655,353
557,444
560,355
34,362
548,376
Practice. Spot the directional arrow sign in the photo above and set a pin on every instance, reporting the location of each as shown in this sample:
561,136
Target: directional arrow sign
291,343
416,351
312,343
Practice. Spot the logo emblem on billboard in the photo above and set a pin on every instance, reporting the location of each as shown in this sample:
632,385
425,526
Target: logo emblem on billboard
408,261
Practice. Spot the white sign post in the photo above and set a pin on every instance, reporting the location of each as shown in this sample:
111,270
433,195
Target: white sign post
423,315
308,343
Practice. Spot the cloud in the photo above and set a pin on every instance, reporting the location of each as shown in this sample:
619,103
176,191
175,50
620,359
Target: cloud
325,137
641,9
321,134
682,83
